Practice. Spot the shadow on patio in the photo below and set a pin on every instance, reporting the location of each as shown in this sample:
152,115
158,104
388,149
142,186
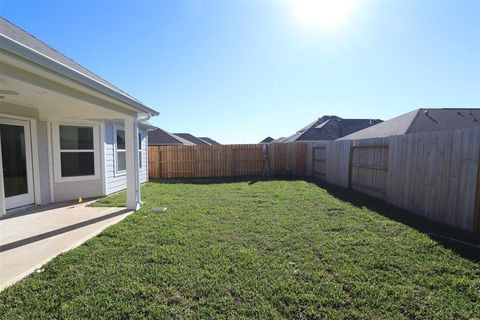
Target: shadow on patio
31,238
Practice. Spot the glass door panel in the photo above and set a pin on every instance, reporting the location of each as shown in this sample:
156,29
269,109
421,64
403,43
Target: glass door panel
16,162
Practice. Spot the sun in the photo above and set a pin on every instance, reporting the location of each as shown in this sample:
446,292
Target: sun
322,13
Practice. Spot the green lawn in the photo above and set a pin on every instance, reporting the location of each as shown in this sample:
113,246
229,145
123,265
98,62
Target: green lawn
267,249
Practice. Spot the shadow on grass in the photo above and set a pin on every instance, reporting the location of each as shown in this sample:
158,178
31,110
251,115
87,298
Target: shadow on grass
249,180
464,243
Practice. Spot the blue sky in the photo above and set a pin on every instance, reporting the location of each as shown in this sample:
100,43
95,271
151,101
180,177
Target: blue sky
238,71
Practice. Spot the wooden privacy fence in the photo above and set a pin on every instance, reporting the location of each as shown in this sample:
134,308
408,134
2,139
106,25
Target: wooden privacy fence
434,174
287,159
167,162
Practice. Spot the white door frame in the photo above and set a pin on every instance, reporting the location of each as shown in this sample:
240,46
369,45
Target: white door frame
29,197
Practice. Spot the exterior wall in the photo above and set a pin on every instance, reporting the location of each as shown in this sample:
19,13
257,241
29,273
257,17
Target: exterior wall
72,190
43,160
63,191
144,168
114,181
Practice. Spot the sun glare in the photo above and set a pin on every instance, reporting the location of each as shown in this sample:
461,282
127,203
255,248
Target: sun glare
322,13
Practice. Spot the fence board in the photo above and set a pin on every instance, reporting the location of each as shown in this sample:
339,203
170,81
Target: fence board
287,159
369,166
434,175
319,152
338,163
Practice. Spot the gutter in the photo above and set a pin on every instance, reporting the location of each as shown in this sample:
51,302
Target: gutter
39,58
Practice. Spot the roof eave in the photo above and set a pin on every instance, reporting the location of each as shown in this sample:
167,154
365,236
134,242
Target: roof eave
36,57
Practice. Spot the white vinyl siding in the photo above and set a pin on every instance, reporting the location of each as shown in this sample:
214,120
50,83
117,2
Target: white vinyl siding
75,189
43,161
144,167
115,181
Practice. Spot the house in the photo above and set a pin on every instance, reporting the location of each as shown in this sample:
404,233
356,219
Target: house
279,140
421,120
209,141
193,139
160,137
329,128
65,132
267,140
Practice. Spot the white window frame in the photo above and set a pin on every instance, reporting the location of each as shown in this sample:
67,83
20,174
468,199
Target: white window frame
57,168
115,150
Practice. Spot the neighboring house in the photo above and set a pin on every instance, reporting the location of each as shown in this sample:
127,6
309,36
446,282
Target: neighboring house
421,120
279,140
329,128
267,140
160,137
193,139
65,132
210,141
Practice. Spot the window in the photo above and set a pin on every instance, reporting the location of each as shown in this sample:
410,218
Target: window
121,163
77,152
140,164
120,151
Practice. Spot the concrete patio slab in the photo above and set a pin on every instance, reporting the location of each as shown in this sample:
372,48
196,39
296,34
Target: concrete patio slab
31,238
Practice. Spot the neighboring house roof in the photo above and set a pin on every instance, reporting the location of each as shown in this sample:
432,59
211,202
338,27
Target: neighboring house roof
279,140
329,128
266,140
191,138
22,43
147,126
210,141
160,137
421,120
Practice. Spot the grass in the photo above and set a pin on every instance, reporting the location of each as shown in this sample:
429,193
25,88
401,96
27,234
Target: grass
269,249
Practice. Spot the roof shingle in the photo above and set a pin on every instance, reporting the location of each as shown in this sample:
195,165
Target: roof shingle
191,138
329,128
159,137
421,120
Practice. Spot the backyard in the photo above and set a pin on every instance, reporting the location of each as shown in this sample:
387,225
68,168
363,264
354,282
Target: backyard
256,249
